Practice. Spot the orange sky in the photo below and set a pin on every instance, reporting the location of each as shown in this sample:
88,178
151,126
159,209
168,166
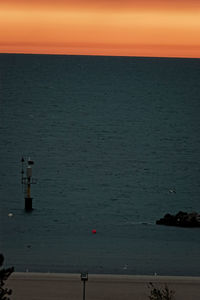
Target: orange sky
169,28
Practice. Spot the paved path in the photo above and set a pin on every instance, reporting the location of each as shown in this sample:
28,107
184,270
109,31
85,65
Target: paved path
48,286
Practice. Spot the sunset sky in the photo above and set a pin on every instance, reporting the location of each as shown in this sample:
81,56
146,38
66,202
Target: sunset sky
169,28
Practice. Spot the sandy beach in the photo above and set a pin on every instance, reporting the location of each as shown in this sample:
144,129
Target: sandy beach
47,286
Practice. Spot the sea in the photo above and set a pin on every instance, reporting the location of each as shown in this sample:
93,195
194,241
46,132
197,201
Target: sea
115,143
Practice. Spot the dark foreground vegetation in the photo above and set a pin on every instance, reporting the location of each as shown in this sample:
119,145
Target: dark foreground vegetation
4,274
160,293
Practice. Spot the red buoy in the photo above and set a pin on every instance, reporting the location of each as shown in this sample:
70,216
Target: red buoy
94,231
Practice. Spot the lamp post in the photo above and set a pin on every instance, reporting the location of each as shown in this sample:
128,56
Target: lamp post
84,278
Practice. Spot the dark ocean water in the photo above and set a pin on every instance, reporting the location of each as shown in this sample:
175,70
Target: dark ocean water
110,137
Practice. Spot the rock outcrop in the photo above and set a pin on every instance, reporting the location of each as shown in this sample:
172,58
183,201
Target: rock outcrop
181,219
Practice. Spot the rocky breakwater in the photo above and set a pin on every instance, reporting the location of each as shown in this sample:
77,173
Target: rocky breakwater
181,219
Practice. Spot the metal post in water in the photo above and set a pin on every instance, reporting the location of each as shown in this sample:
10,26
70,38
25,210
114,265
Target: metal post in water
27,181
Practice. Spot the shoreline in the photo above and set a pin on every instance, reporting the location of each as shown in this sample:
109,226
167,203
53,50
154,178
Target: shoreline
43,286
96,275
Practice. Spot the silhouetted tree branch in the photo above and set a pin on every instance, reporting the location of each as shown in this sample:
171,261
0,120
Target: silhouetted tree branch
4,274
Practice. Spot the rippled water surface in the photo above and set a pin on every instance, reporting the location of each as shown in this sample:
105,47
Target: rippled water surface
110,137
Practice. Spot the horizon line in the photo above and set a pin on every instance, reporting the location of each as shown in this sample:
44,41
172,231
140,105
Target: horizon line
100,55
